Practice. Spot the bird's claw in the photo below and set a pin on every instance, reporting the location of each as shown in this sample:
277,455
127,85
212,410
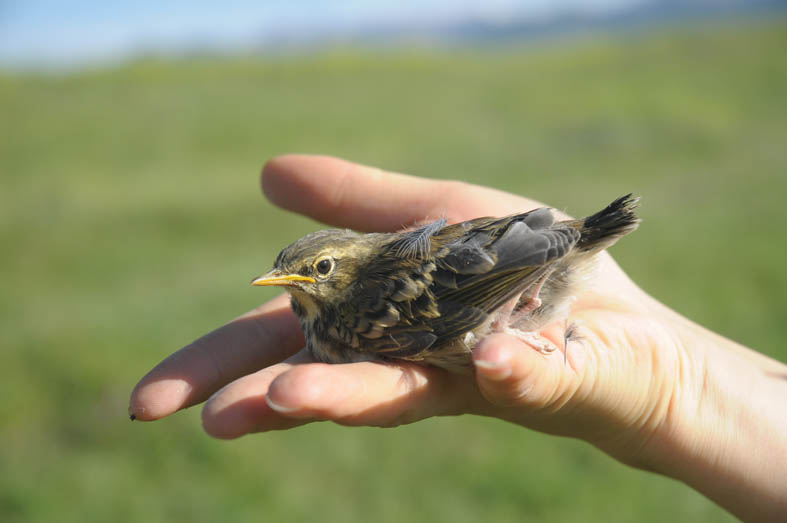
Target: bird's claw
533,339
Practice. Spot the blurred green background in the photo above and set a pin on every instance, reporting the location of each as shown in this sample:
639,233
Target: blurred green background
131,222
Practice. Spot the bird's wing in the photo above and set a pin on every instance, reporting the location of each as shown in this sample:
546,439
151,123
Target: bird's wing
456,319
521,255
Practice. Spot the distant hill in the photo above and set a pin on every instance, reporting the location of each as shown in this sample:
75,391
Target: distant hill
479,30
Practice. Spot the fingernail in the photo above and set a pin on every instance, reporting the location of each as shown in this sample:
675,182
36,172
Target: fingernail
494,370
133,414
280,408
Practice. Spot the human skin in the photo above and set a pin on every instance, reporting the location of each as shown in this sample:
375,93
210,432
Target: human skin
642,383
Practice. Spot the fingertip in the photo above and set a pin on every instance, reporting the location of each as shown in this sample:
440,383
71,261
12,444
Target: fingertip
281,409
293,393
504,369
220,420
227,424
282,179
348,194
274,172
492,358
154,399
284,164
241,408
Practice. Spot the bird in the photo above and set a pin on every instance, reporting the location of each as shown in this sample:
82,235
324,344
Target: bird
430,294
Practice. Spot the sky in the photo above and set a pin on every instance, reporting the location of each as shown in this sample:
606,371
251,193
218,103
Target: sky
50,33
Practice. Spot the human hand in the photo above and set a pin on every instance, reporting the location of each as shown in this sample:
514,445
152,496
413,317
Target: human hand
642,383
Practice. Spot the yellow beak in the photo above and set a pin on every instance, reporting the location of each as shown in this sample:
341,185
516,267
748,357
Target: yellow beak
277,277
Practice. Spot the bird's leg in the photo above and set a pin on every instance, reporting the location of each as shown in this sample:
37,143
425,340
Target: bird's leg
532,303
509,315
503,315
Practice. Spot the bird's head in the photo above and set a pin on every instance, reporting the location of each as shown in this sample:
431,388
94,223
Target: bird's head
318,268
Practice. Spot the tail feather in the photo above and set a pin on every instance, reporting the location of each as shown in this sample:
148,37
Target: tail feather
603,229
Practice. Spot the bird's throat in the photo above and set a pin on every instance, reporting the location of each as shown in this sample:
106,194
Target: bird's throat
304,305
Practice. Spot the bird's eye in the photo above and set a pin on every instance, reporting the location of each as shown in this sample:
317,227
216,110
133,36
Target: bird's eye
324,266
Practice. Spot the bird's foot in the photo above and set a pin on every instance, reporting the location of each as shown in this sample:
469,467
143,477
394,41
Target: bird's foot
529,302
524,311
533,339
503,315
512,313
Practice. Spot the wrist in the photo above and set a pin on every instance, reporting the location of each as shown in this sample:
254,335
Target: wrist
724,431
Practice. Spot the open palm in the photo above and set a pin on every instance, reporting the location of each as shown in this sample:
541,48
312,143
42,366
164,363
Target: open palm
641,382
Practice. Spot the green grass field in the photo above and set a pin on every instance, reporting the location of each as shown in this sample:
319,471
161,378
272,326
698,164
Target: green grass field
131,223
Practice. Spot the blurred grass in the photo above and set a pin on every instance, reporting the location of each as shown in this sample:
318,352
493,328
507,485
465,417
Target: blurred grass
131,223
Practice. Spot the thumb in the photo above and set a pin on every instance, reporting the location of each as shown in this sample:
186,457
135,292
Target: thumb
510,373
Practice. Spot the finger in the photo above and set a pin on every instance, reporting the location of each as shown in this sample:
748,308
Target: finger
262,337
240,407
368,393
510,373
352,394
347,194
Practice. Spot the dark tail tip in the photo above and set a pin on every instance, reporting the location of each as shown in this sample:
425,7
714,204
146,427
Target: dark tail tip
617,219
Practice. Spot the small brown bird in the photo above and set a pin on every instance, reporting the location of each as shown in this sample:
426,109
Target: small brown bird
429,295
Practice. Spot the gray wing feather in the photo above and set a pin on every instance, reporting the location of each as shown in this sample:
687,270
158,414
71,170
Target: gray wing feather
468,258
521,246
540,218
